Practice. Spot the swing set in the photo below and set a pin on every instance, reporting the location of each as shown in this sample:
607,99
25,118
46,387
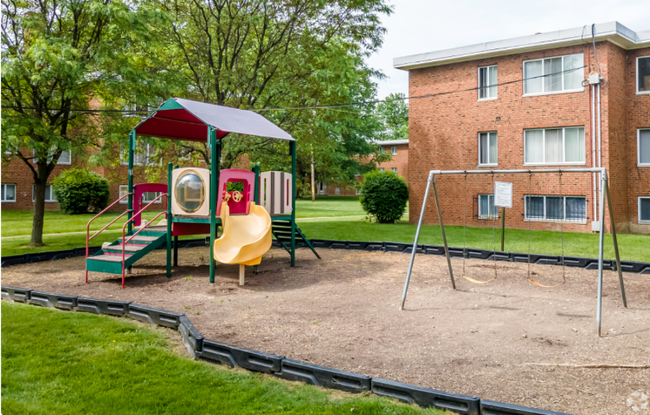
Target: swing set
604,186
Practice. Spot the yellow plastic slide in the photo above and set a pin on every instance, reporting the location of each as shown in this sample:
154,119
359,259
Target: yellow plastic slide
245,238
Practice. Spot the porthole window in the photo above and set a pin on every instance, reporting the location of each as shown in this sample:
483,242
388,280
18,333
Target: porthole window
190,191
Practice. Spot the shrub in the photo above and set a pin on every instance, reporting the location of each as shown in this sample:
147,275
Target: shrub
81,191
384,195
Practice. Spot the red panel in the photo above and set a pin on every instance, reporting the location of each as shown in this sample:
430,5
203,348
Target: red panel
178,130
139,189
181,228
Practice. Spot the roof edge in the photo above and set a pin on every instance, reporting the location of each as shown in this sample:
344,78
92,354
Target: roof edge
610,31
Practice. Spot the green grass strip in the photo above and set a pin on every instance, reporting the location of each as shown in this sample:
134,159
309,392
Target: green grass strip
78,363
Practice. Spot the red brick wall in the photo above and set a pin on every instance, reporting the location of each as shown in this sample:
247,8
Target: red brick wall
399,161
444,135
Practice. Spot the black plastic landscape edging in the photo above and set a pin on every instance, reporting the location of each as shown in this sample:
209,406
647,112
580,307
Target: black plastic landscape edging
470,253
257,361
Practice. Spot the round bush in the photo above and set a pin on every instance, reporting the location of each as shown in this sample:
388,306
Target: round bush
384,195
81,191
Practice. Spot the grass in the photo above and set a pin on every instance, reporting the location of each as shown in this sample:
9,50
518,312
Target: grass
631,247
77,363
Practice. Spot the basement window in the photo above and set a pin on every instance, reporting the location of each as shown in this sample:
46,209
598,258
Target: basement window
644,210
486,208
9,193
49,193
556,208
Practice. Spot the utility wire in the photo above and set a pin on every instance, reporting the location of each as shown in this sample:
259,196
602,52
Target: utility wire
351,104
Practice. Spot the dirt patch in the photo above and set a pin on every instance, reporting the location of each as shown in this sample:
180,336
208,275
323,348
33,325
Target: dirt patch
342,312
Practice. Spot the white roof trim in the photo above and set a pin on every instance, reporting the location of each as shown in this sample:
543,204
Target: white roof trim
611,31
390,142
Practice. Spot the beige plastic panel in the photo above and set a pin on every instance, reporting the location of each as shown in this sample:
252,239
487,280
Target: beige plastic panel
276,192
190,197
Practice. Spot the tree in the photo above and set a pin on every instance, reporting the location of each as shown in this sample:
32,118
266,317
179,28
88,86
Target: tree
394,114
57,57
261,54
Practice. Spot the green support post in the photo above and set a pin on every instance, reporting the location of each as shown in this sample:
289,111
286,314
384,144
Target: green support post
130,198
169,192
214,181
170,169
292,151
256,188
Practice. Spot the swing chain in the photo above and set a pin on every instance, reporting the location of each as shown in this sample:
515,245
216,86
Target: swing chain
494,219
530,178
562,229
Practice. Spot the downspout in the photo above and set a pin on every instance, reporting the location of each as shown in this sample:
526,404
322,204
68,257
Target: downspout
593,149
600,160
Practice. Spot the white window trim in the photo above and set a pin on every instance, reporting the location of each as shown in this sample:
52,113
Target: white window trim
642,221
119,194
337,191
488,216
149,201
147,158
478,138
636,77
638,148
563,91
49,159
14,201
381,169
394,170
556,163
478,81
578,222
50,200
393,150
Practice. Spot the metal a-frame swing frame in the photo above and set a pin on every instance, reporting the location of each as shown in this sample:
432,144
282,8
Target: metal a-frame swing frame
604,192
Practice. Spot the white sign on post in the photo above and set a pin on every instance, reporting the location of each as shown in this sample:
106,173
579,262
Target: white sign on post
503,194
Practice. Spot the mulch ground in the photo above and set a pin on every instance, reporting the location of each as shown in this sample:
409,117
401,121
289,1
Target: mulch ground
499,341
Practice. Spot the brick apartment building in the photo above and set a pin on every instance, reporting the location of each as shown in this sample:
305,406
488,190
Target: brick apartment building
527,103
399,164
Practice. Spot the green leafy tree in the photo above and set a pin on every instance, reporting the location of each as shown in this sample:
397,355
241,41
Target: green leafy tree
394,115
260,54
57,57
384,195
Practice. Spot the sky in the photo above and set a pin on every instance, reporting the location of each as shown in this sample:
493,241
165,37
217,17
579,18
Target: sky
418,26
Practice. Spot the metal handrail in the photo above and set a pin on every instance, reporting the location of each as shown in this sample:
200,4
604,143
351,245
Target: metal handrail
125,241
88,237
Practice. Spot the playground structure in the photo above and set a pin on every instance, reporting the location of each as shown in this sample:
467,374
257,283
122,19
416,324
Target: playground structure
604,191
200,200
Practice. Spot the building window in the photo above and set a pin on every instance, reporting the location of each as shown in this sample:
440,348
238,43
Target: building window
9,193
124,189
486,208
556,208
321,188
357,191
644,210
487,82
65,157
337,191
393,150
381,169
141,156
555,146
487,149
381,149
643,145
394,170
147,197
552,75
643,75
49,193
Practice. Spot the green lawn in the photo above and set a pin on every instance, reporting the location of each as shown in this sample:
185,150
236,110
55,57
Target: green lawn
78,363
325,206
631,247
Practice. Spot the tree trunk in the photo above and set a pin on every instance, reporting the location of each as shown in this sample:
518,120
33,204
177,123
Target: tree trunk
39,212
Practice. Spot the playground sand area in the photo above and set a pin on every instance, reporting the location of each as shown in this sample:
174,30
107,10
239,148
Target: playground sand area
500,341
